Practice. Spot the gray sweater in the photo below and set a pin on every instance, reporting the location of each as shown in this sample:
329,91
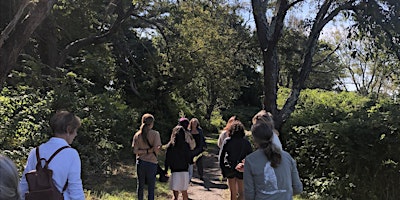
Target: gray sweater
262,182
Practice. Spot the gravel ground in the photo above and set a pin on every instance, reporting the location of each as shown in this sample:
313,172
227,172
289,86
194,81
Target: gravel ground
213,187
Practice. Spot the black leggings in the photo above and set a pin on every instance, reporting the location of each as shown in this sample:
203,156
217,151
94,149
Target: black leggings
199,165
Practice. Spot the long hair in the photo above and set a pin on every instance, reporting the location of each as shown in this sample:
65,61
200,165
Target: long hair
9,189
147,121
236,129
265,117
193,120
262,135
177,137
229,123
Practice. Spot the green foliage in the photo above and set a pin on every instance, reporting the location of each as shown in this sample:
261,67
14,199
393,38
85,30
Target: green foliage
24,112
217,121
243,113
106,120
326,69
346,145
202,61
203,46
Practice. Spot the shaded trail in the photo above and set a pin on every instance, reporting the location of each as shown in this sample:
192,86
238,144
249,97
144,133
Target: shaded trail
212,188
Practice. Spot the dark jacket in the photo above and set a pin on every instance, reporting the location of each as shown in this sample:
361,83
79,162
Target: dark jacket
178,158
200,143
235,150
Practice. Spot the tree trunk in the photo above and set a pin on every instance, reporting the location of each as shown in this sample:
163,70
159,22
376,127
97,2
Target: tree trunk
269,35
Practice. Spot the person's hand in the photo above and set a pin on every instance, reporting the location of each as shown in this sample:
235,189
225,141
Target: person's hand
240,167
157,149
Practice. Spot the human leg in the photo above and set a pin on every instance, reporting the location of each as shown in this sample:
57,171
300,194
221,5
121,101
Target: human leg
185,195
233,188
176,194
239,183
141,176
190,172
199,164
151,172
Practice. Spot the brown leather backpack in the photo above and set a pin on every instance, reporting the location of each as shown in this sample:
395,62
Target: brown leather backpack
40,181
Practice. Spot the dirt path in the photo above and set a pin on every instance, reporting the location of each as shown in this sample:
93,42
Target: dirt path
212,188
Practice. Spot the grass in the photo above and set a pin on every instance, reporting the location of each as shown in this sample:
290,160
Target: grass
120,185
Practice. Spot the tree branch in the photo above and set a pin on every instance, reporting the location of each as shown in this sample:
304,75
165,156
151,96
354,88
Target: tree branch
317,63
17,33
79,44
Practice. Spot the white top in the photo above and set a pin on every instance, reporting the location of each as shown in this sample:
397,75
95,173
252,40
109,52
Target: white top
222,136
66,165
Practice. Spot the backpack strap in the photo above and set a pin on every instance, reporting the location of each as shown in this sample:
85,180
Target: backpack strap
54,154
39,164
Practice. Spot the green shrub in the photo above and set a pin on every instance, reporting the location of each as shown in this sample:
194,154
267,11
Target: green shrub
346,146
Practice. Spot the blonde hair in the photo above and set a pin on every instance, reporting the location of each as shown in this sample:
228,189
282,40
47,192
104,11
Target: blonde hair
266,118
147,120
9,189
191,122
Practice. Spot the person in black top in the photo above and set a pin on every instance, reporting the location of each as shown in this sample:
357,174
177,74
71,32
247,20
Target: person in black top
177,158
234,149
197,133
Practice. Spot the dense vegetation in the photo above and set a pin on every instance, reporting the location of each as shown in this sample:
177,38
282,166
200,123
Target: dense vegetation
111,61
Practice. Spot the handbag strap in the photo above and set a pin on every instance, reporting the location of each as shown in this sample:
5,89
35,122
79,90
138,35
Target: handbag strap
148,143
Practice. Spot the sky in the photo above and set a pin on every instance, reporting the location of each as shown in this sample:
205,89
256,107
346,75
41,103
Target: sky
334,32
300,11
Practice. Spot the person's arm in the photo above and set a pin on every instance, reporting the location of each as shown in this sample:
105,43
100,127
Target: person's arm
203,139
248,182
221,139
136,148
188,156
296,183
157,143
75,188
240,166
190,140
276,141
222,160
30,165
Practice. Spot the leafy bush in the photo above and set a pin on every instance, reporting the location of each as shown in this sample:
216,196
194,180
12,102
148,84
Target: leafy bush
346,146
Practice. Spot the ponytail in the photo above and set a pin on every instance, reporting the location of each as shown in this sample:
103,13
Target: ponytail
147,120
262,135
273,155
144,129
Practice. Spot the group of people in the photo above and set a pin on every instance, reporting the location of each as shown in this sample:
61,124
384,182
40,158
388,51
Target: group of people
184,149
267,173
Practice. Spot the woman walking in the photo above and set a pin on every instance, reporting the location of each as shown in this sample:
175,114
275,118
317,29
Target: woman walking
234,149
197,133
177,158
269,172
